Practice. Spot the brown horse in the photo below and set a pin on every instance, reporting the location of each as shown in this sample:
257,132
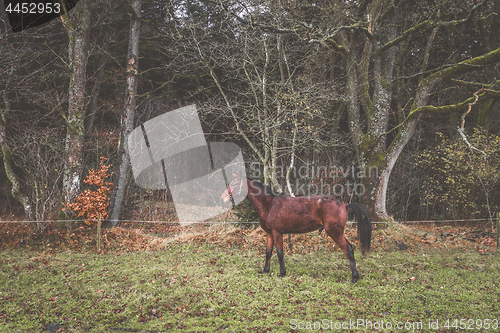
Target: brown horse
281,214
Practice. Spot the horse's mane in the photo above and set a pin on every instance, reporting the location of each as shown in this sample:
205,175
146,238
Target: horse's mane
266,188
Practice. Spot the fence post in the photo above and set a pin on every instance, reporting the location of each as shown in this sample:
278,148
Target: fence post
99,232
498,231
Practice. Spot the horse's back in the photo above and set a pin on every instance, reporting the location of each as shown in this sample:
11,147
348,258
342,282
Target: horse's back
302,214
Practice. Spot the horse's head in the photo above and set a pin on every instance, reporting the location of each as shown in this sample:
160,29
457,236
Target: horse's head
233,189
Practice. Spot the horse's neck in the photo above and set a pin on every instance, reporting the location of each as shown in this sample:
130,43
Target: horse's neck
260,201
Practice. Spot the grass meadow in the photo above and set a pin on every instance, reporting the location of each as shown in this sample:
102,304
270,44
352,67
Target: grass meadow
206,279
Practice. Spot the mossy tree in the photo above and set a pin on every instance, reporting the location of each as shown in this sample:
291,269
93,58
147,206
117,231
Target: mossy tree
78,26
368,38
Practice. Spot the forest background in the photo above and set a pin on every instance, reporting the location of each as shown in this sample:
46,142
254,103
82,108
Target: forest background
398,98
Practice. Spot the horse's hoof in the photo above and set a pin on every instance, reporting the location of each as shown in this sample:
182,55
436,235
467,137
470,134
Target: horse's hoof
353,281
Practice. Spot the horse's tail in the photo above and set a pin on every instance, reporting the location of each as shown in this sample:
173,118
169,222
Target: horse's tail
364,225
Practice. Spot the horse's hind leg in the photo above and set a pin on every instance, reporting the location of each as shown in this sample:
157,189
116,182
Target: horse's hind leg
269,252
278,240
348,251
350,255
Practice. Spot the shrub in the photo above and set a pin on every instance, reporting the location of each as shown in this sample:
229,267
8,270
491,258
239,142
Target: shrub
89,204
246,213
460,182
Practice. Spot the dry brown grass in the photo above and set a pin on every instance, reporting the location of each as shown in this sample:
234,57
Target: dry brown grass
152,236
388,237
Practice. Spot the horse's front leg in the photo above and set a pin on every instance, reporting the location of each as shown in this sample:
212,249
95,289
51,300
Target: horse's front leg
269,252
278,240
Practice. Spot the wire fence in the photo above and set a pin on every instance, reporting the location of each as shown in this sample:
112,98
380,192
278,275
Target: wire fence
494,221
242,222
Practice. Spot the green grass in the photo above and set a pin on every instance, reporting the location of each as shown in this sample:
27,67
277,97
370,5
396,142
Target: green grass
190,287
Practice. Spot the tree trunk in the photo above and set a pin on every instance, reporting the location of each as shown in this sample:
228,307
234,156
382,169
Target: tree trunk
89,120
79,39
8,163
292,158
129,111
